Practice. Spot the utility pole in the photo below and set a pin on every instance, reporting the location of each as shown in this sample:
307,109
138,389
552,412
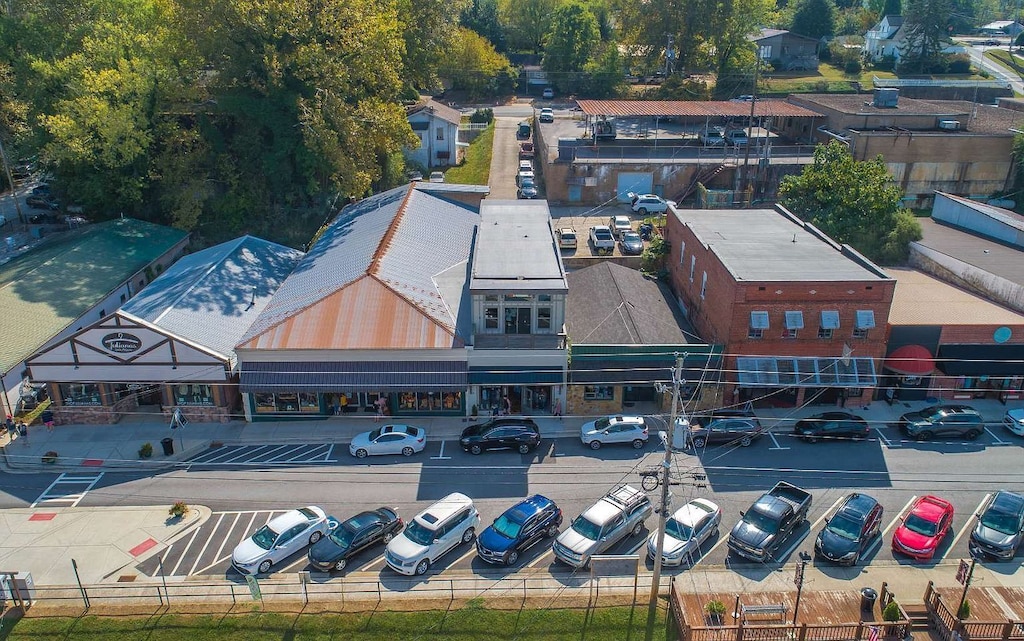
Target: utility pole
753,103
652,606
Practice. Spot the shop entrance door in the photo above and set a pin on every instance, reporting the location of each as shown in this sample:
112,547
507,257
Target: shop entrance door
527,402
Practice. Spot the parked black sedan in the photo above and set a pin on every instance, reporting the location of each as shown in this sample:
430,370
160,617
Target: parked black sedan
850,531
355,534
832,425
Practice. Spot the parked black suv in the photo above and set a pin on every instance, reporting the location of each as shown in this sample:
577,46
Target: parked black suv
505,433
850,530
942,420
1000,527
702,431
831,425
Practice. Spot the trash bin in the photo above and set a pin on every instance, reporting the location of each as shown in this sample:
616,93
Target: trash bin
168,444
867,599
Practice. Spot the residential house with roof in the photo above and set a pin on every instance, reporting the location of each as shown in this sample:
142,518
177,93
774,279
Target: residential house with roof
785,50
627,333
801,319
437,127
378,308
171,347
954,146
70,281
885,39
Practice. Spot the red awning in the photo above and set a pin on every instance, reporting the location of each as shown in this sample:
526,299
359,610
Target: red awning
911,360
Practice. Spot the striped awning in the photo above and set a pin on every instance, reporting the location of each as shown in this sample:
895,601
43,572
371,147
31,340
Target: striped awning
368,376
806,372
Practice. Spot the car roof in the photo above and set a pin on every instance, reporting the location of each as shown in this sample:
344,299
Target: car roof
1005,501
443,510
566,230
289,519
857,505
620,219
613,503
361,520
930,507
523,510
690,513
619,418
601,228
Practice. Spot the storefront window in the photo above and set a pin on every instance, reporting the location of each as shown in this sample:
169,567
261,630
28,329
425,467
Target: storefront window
264,402
490,398
595,393
80,394
518,298
286,402
196,394
429,401
490,318
544,318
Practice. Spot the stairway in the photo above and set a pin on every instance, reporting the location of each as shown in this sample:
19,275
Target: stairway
701,176
918,615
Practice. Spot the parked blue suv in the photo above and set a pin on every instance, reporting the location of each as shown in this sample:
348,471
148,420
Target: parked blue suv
517,529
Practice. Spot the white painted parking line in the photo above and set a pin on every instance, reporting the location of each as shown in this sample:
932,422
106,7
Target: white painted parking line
52,494
307,456
970,521
882,437
774,440
870,549
471,551
330,455
230,455
540,558
373,563
824,515
227,537
195,533
440,455
279,457
723,538
899,515
998,440
202,551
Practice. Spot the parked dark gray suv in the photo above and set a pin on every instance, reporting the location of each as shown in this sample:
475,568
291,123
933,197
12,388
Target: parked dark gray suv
961,421
1000,527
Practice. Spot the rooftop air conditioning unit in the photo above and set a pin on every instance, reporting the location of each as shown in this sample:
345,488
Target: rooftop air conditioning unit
887,98
949,125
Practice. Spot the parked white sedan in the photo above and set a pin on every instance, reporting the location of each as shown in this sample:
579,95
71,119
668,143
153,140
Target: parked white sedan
1014,421
282,537
390,439
686,531
615,429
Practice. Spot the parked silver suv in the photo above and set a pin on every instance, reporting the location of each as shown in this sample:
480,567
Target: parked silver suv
619,513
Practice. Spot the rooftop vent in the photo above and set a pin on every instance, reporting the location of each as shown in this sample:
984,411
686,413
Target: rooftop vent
949,125
886,98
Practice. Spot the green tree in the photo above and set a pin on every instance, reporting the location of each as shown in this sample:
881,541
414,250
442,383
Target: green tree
482,17
574,36
814,18
603,73
853,202
428,29
474,66
892,8
526,22
926,24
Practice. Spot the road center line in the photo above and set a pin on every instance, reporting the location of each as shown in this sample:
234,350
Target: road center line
898,515
970,521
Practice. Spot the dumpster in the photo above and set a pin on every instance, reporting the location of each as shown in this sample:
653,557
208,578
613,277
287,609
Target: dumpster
867,599
168,444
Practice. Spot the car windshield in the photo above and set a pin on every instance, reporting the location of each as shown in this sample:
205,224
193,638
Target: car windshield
419,534
343,537
845,527
506,527
678,530
374,434
586,529
761,522
602,423
915,523
265,537
1002,522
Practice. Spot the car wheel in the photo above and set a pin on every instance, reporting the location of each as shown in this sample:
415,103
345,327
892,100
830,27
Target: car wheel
340,564
361,453
811,439
972,434
511,559
388,537
642,211
925,436
595,445
745,441
407,451
638,443
468,535
856,559
314,537
475,449
552,531
264,567
524,448
422,567
637,528
699,442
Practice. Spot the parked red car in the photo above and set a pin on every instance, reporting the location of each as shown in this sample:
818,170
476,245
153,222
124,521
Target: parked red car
928,522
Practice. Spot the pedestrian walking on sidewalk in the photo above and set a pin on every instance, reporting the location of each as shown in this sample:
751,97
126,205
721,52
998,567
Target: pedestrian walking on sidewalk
9,425
23,432
47,418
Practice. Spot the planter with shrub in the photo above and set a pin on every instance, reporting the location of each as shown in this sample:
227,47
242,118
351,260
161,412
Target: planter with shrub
179,509
146,450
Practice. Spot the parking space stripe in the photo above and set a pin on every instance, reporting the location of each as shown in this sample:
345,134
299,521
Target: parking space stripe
824,515
369,565
899,515
998,440
540,558
262,458
195,533
330,454
206,544
306,454
969,522
287,453
227,452
303,559
247,453
53,495
226,538
882,437
469,553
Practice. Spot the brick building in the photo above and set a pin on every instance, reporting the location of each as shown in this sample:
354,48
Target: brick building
801,318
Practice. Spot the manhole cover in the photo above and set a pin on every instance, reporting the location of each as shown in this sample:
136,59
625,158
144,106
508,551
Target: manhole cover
126,578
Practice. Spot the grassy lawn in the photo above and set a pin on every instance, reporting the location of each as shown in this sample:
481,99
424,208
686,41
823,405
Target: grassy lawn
468,624
827,78
1005,59
476,168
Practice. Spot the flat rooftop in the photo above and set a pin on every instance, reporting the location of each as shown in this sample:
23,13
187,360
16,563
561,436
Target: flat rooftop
988,255
516,248
766,245
922,299
693,108
974,118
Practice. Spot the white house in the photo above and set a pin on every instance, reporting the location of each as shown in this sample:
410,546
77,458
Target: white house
437,126
885,38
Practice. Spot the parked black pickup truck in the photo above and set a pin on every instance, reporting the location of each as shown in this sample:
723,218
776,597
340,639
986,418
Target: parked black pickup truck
769,522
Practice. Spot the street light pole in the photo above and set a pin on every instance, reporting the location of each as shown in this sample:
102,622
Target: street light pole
652,606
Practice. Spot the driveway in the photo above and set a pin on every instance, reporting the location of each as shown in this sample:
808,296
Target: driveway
504,158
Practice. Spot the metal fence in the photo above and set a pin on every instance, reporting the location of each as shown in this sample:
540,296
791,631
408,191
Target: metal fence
688,153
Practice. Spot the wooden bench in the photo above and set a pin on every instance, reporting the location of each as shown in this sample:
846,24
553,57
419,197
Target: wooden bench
775,610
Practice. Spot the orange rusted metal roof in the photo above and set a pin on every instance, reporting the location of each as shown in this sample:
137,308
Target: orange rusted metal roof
693,109
365,314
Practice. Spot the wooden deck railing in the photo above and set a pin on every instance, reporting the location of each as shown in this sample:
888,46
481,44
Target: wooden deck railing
949,628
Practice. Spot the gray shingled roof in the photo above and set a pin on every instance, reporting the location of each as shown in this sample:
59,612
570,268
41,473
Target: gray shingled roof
609,304
211,297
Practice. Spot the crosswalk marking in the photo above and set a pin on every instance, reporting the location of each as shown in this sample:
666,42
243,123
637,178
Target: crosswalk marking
55,494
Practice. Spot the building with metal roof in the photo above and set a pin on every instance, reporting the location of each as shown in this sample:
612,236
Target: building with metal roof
71,280
377,308
171,346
